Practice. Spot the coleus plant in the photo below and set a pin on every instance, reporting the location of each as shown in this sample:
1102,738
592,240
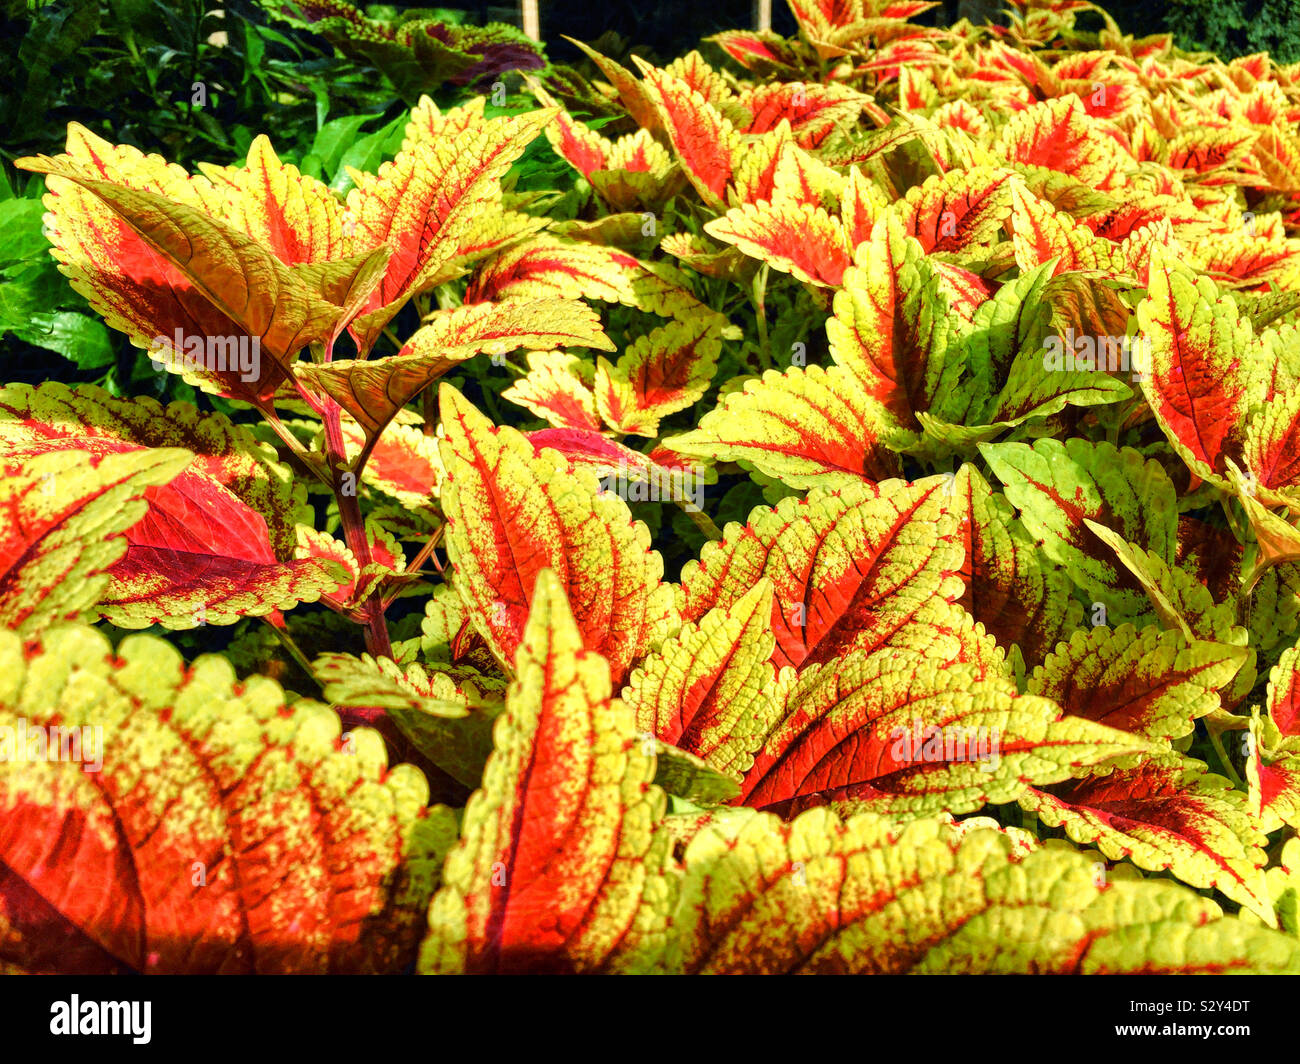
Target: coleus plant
996,673
416,52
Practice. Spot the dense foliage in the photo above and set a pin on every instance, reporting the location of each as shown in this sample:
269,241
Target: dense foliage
827,509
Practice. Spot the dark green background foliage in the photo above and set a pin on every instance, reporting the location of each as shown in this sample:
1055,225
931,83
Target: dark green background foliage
1238,27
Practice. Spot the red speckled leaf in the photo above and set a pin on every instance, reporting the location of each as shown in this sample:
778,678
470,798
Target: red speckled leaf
133,236
1202,357
511,513
1060,135
851,569
665,371
557,388
1150,682
895,733
866,895
891,324
558,852
708,689
63,515
951,211
434,206
806,426
795,238
548,267
1166,813
706,144
217,542
205,828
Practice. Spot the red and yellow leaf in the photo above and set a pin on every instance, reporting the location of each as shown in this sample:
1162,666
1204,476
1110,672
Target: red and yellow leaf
852,569
708,689
667,370
558,854
511,513
222,830
894,733
1166,813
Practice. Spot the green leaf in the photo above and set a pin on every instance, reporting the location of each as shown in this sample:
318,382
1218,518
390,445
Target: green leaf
1057,486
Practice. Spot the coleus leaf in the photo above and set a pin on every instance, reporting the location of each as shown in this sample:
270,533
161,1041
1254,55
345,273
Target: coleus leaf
894,733
1056,486
448,718
864,895
757,51
434,206
1060,135
511,513
429,123
952,211
851,569
1150,682
224,831
704,141
548,267
667,370
1203,355
558,854
807,427
403,463
1166,813
558,389
1010,585
796,238
64,515
217,542
708,688
1041,234
812,110
374,391
158,267
1273,748
890,327
297,217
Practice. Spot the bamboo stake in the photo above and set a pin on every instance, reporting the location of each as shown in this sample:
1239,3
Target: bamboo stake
530,18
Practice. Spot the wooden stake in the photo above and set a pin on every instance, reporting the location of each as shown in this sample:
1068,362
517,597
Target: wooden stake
530,18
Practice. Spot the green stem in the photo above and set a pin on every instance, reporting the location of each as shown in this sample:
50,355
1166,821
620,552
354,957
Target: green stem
702,521
759,294
1223,758
295,652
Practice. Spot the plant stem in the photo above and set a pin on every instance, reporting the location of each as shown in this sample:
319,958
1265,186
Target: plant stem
354,529
703,522
1223,758
760,312
295,651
